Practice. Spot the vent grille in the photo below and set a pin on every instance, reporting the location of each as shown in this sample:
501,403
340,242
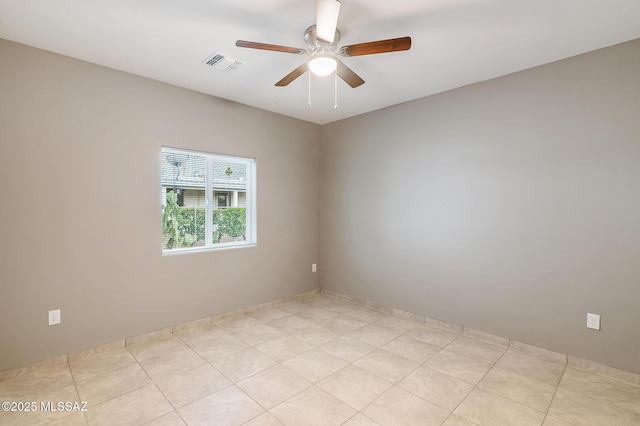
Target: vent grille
221,62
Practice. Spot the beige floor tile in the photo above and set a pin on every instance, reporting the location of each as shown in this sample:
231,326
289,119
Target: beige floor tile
173,362
194,335
135,407
530,366
274,355
273,385
552,421
95,351
258,333
432,335
603,370
386,365
215,349
24,387
454,420
236,323
482,351
486,337
265,419
461,367
577,409
36,366
317,315
290,323
313,407
269,314
76,418
397,407
484,408
409,316
37,414
396,323
360,420
318,300
283,348
315,364
316,334
366,315
354,386
294,306
438,388
229,406
410,348
518,388
604,389
188,386
115,383
169,419
347,348
156,346
375,335
101,362
149,336
339,306
343,324
243,364
539,352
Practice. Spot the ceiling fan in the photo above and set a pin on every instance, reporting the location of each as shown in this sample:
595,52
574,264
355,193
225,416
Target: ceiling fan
322,40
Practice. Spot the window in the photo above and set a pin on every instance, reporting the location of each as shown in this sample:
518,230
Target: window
208,201
222,200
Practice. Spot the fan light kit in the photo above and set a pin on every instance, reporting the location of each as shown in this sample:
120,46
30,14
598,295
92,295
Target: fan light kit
322,65
322,40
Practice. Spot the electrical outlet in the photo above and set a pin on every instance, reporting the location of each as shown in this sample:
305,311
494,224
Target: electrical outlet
314,268
593,321
54,317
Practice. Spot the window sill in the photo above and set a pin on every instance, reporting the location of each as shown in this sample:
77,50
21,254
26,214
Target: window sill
218,247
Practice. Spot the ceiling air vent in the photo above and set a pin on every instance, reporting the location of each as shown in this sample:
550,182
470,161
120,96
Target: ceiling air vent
221,62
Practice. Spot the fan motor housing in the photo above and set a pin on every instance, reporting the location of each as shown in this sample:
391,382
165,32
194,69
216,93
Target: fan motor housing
314,43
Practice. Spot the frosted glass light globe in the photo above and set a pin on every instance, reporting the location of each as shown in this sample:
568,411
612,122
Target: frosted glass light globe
322,65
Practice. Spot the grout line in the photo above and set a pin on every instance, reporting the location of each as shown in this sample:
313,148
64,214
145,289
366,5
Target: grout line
554,395
476,387
75,385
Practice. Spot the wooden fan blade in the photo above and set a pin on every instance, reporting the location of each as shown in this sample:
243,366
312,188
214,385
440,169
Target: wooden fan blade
272,47
347,74
292,75
380,46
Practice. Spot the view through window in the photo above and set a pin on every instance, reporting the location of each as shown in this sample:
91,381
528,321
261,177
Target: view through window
208,201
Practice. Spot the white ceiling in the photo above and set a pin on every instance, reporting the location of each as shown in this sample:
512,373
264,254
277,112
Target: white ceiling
455,43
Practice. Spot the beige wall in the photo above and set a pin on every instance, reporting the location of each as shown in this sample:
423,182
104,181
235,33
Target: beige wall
510,206
80,216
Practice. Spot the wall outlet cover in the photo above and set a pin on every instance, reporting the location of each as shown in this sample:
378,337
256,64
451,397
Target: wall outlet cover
593,321
54,317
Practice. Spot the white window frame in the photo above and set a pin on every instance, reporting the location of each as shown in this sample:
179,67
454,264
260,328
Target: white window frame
250,180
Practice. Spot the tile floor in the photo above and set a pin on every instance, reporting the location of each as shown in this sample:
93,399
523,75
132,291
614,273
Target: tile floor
318,361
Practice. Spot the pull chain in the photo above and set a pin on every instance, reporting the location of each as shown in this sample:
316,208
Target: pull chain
335,90
309,104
